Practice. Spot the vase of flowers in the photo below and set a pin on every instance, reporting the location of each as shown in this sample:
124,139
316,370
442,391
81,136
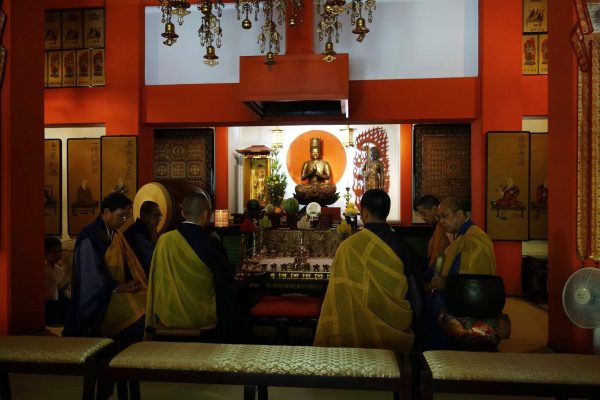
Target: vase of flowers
276,181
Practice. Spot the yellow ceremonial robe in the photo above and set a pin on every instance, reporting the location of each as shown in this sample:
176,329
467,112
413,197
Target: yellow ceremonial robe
124,308
437,244
365,304
181,292
476,253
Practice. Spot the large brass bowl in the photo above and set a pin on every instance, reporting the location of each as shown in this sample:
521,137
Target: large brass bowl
322,193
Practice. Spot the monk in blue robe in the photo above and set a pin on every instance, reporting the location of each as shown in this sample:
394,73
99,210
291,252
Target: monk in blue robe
108,283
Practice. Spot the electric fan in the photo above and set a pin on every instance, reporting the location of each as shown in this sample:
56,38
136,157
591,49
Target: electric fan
581,301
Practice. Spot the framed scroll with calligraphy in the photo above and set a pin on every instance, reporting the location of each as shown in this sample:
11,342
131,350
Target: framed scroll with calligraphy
119,165
52,187
83,182
507,185
538,193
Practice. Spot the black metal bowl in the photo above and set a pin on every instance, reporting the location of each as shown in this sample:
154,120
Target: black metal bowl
476,296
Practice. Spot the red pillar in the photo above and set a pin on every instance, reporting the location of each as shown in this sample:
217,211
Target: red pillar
22,166
562,170
501,110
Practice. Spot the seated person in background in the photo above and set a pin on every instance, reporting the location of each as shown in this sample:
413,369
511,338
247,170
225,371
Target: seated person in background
54,274
427,207
108,296
471,252
142,235
366,302
191,279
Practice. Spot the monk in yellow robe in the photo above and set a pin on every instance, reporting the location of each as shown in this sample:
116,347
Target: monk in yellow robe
427,207
366,302
471,252
191,279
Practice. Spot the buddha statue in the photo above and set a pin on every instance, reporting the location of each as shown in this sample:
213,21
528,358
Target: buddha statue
316,170
317,173
373,171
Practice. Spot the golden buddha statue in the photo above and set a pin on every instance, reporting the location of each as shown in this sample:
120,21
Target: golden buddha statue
316,170
318,174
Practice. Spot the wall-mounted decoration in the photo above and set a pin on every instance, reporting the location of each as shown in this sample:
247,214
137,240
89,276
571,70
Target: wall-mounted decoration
535,16
52,187
93,28
69,68
52,34
543,54
593,7
72,36
538,192
97,67
83,68
83,182
74,44
186,154
529,55
442,161
55,68
119,165
507,185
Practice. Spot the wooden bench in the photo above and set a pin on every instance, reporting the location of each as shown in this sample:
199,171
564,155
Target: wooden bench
256,366
53,356
523,374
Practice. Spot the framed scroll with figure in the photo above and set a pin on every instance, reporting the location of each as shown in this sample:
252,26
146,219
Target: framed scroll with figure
52,187
72,25
538,192
507,185
529,55
535,16
83,182
119,165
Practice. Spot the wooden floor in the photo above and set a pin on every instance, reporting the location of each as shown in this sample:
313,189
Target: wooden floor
529,334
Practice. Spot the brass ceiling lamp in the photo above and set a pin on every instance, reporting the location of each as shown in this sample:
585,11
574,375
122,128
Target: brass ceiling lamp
268,34
170,8
210,31
329,27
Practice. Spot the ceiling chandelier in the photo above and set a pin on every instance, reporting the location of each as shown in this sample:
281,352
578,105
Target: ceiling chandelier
276,12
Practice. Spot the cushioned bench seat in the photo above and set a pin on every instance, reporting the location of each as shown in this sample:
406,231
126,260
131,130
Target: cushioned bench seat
258,365
51,355
526,374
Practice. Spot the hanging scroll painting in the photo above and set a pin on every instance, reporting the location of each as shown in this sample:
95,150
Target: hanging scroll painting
507,185
83,182
538,192
52,187
119,165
